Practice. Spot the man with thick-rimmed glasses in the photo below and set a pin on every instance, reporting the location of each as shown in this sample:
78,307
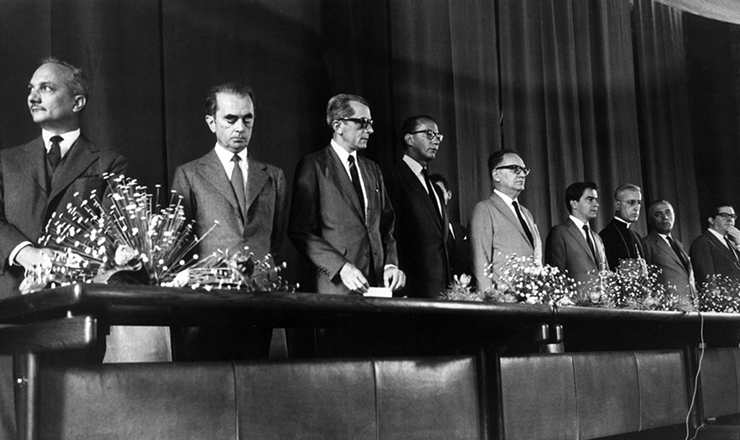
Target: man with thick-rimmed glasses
421,215
715,251
341,218
500,227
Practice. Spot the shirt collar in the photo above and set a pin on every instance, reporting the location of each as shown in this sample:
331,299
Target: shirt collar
342,153
578,222
624,222
225,155
506,198
414,165
717,234
68,139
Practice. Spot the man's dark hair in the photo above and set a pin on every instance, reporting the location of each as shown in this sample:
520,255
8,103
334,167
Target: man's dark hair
234,88
496,158
76,80
575,192
412,123
714,210
441,179
338,107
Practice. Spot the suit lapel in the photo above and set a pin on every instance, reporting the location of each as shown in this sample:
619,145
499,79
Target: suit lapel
256,178
581,240
336,172
78,159
419,192
723,246
499,203
665,248
33,162
212,171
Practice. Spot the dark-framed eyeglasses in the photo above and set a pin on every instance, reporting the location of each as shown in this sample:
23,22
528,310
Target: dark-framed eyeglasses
363,122
431,134
516,169
726,215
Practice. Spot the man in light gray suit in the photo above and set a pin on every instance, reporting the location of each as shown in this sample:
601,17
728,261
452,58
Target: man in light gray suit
500,227
248,199
572,246
663,251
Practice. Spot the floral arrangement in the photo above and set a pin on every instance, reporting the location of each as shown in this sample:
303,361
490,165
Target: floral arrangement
719,293
634,285
132,239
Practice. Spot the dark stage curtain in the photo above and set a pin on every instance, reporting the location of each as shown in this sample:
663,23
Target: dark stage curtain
574,85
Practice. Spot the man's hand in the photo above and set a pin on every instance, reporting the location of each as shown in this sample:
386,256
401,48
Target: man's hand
734,234
394,278
353,278
29,256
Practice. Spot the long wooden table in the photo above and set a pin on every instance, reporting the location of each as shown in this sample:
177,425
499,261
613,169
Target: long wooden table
77,317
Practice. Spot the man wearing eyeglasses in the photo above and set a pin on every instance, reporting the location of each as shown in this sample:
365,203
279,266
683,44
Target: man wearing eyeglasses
341,218
572,246
621,242
500,227
421,216
715,251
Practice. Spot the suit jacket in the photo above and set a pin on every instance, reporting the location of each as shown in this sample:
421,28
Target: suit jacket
620,242
710,256
207,196
328,227
458,248
674,275
495,234
420,233
26,203
567,249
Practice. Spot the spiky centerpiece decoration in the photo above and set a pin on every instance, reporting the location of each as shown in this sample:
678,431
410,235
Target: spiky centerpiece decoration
132,239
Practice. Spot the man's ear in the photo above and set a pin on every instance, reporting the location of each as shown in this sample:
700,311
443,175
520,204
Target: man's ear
80,102
211,123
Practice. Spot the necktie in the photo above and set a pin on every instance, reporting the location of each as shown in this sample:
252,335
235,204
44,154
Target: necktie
356,182
54,156
524,224
237,183
678,252
591,243
430,190
732,248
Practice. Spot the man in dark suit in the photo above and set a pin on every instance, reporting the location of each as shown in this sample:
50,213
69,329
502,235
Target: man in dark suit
458,247
341,218
247,197
572,246
421,227
620,241
500,227
715,251
40,178
248,200
667,253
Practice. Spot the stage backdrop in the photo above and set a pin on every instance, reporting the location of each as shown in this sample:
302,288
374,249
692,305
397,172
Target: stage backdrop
584,89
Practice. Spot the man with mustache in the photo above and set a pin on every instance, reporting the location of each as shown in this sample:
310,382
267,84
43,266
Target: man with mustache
715,251
667,253
39,179
572,246
341,218
621,242
421,216
246,197
501,227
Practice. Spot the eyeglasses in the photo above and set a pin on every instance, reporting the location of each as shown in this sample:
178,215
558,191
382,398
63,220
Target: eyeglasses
430,134
516,169
364,122
725,215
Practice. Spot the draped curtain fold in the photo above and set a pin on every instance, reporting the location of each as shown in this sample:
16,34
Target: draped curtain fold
665,132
